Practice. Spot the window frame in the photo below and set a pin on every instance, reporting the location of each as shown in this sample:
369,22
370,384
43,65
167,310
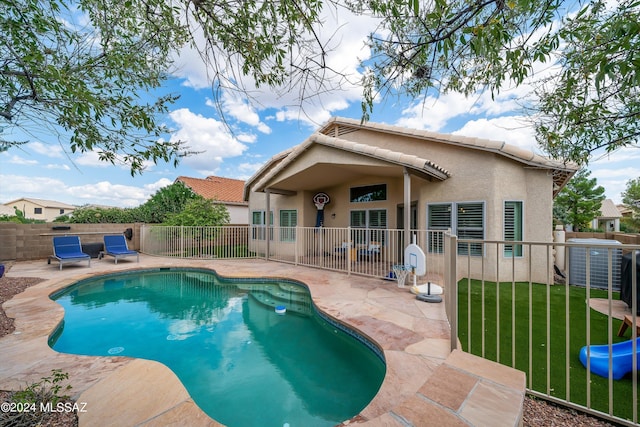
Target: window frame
372,187
367,233
288,231
452,220
511,251
258,228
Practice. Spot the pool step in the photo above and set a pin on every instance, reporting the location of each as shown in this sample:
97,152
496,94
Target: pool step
297,303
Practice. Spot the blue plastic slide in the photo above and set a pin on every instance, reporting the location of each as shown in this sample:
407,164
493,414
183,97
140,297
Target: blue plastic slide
621,360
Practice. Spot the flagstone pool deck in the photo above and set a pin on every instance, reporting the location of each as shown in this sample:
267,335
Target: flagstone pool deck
425,384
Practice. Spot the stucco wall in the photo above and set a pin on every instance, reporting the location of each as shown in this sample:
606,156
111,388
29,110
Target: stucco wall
238,215
475,176
34,241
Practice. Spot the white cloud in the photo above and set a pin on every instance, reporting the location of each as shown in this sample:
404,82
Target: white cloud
18,186
48,150
513,130
614,170
57,166
242,111
107,193
209,137
342,33
17,160
102,192
246,170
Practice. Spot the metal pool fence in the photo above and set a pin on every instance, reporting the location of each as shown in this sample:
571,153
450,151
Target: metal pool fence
529,305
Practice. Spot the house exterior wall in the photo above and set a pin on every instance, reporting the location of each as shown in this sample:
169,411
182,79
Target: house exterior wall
47,214
238,215
475,176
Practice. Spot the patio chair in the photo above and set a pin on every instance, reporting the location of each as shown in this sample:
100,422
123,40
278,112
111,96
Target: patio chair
371,252
116,246
67,249
344,249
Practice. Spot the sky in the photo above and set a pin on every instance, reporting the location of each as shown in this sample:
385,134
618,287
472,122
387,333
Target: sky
273,122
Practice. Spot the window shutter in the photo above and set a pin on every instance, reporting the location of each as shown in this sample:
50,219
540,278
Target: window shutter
378,218
439,217
513,227
470,225
358,218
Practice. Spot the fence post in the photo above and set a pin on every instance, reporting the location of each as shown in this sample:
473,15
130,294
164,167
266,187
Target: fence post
296,243
349,249
451,285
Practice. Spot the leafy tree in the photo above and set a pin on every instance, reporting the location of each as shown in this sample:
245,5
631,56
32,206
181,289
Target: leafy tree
168,200
199,212
631,198
91,82
631,195
94,81
589,98
87,83
579,201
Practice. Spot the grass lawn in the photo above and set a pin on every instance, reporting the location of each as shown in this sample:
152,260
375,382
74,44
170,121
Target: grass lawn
549,355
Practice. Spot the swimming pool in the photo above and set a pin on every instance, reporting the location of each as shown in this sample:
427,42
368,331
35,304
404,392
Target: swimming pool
240,361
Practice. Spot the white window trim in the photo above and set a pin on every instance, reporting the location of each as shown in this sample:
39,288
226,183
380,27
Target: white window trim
504,226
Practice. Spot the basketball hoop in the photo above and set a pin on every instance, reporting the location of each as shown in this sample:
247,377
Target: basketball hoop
401,273
320,200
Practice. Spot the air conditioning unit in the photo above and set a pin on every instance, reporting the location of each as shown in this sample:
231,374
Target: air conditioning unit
601,259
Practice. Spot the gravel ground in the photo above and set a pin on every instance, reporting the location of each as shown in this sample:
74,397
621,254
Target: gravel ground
537,412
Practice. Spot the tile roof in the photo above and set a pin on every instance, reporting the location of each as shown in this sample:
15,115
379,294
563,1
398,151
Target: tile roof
333,131
415,163
226,190
561,171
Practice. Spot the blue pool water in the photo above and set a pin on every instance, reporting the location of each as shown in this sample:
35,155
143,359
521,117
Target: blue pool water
241,362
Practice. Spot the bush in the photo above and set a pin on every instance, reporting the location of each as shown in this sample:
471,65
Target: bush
33,405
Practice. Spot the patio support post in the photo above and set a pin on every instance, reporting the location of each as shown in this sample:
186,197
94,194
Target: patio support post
407,207
267,220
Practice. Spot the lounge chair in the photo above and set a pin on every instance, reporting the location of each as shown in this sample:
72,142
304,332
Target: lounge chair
116,246
67,249
372,252
344,249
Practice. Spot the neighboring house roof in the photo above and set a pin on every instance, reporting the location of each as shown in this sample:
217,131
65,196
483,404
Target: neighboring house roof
608,210
625,210
41,202
331,132
225,190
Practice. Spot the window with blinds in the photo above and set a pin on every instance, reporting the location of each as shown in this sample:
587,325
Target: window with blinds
288,224
369,226
259,224
438,219
470,225
466,220
513,228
